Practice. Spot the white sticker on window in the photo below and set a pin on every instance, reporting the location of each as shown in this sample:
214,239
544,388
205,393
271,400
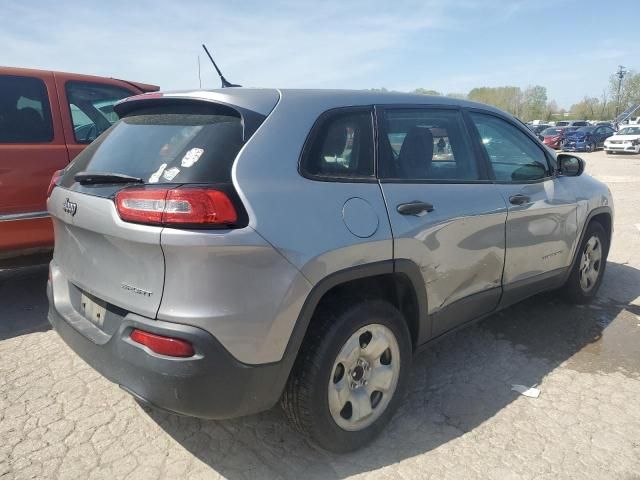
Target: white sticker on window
171,173
156,175
191,157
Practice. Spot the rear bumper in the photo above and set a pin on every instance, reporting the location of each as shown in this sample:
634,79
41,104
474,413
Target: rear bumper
211,384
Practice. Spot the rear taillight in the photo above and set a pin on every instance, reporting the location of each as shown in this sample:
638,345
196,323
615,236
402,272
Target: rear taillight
54,181
175,206
172,347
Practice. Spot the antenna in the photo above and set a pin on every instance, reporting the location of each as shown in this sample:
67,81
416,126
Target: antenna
199,77
223,80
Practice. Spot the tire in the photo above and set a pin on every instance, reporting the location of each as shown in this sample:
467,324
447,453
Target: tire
590,147
318,372
582,285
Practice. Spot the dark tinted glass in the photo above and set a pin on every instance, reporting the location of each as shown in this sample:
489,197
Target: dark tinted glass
165,148
342,147
25,115
426,144
91,106
513,155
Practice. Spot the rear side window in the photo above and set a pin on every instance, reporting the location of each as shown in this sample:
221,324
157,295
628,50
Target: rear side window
341,146
426,144
165,147
25,115
91,107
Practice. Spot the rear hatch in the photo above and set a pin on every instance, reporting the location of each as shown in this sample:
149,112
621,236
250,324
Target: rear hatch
108,249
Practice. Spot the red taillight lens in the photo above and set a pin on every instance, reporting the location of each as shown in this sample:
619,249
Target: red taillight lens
172,347
140,205
177,206
54,181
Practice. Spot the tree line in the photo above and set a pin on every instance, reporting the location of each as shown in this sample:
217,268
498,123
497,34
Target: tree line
533,103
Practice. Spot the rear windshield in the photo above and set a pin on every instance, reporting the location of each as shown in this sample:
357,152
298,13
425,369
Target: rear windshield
552,131
165,148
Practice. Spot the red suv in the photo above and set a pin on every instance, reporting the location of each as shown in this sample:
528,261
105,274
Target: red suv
46,119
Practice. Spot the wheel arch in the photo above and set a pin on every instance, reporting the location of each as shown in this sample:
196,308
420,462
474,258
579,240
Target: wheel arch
403,281
602,215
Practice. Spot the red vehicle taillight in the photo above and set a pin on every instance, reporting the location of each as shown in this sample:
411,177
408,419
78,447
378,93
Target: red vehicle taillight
172,347
175,206
54,181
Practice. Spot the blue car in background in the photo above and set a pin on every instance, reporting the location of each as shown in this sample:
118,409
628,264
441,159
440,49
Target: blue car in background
587,139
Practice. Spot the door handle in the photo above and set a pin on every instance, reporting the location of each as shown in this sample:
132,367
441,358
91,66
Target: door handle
519,199
414,208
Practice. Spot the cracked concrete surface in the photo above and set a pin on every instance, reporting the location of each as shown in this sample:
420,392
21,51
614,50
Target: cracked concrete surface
60,419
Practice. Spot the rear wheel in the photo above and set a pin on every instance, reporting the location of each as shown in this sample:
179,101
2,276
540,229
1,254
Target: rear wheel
588,269
350,375
591,147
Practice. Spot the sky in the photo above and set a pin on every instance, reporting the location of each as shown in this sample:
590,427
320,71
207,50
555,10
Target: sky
569,46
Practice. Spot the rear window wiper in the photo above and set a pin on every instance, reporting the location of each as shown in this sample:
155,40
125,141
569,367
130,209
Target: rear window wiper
95,178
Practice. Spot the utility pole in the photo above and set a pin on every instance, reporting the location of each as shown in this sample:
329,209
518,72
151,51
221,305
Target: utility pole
199,78
620,74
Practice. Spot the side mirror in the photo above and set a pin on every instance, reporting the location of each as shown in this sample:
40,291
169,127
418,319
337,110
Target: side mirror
570,165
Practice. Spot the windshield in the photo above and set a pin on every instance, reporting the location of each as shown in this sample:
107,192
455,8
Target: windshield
552,132
165,148
629,131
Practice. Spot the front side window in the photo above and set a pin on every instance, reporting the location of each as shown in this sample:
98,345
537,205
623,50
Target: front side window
25,115
91,107
426,144
341,147
513,155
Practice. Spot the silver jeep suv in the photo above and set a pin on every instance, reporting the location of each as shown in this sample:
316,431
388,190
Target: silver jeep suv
220,251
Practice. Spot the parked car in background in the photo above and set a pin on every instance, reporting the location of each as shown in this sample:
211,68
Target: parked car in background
537,129
586,139
46,119
627,139
207,281
572,123
553,137
605,124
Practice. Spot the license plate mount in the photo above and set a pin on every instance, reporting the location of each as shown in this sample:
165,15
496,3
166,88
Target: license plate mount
93,311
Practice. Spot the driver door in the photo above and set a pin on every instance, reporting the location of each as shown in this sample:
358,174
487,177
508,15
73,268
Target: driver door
541,226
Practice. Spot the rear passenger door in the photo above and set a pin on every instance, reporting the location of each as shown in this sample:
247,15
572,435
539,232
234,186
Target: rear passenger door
31,149
446,215
542,220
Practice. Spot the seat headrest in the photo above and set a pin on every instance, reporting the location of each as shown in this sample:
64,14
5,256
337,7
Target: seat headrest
416,153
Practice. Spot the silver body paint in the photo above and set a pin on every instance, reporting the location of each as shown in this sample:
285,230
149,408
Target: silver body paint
247,287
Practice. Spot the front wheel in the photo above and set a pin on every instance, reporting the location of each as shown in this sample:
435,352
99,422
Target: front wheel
350,374
588,269
590,147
